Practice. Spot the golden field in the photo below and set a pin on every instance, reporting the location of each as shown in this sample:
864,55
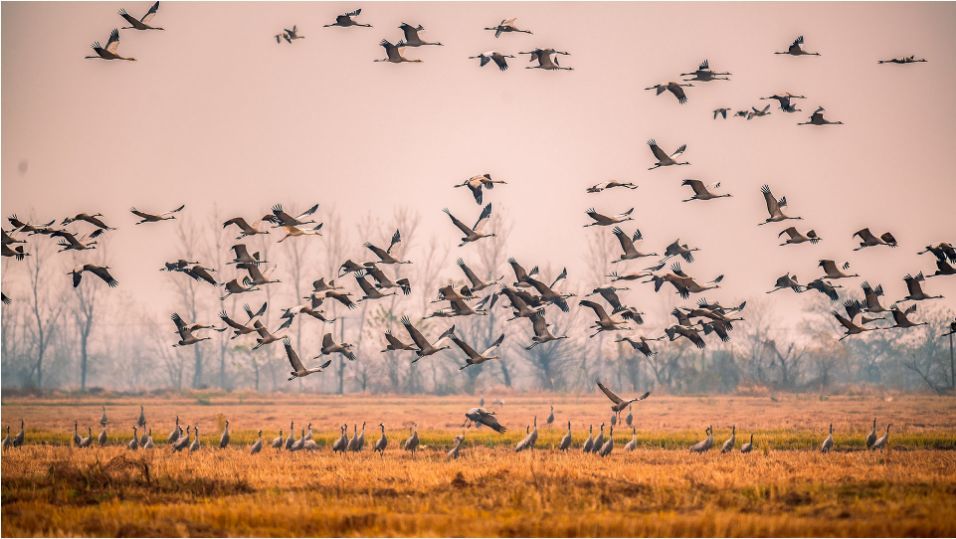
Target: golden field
784,488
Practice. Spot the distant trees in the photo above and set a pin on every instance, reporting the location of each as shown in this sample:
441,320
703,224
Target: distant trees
187,290
83,312
931,357
57,336
44,309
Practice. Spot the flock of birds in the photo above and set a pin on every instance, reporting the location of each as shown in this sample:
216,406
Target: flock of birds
189,438
529,295
546,59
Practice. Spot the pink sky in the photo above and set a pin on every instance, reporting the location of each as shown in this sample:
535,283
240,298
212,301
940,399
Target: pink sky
215,113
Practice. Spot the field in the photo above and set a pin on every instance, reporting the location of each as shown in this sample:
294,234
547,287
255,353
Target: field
784,488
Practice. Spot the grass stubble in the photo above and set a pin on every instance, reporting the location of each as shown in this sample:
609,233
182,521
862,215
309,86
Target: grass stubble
785,488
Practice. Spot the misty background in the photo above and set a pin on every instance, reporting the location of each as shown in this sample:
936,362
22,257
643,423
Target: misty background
216,115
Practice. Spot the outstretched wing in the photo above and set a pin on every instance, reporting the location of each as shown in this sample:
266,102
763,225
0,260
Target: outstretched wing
626,243
772,206
485,214
230,322
610,394
366,286
468,272
239,222
790,231
865,234
396,238
416,335
843,321
293,357
112,45
180,325
468,350
393,341
149,14
104,274
539,325
315,207
129,18
494,345
461,226
598,309
657,151
696,185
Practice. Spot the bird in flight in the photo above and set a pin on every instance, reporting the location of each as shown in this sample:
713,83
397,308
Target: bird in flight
620,404
817,118
393,54
796,49
156,217
345,20
663,159
673,87
498,58
111,50
143,23
506,25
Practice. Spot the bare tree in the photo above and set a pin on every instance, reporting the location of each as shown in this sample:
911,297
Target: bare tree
268,352
558,365
187,290
788,363
432,261
335,248
172,360
83,311
215,253
46,312
297,258
13,334
601,248
491,252
927,354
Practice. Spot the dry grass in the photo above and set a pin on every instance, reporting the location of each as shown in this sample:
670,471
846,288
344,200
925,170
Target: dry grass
660,489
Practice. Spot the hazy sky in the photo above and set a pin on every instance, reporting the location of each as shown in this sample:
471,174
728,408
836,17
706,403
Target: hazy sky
214,112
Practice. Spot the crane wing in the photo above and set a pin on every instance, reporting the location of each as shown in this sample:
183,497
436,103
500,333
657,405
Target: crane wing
696,185
598,309
364,284
610,394
129,18
657,151
626,243
485,214
865,235
772,206
104,274
149,14
494,345
230,322
539,325
293,356
468,350
180,325
416,335
112,45
461,226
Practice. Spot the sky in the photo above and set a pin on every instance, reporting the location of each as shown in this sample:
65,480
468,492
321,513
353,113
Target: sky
216,115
